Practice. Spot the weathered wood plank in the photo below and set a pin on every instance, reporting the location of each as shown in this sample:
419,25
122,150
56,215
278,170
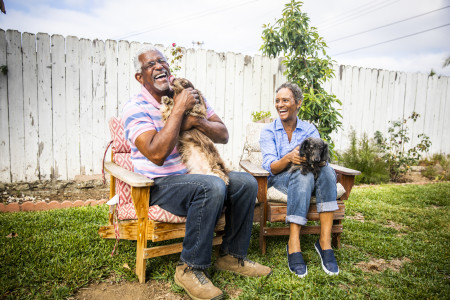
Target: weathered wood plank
238,114
201,64
73,106
191,62
266,84
210,86
431,112
16,105
229,105
445,141
30,112
439,116
256,84
100,133
111,74
274,83
44,98
124,60
59,107
247,99
5,167
219,107
86,109
410,102
135,86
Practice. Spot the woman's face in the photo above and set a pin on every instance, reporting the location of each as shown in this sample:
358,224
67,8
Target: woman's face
285,105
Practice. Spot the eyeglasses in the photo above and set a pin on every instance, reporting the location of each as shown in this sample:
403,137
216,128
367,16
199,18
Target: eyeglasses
151,64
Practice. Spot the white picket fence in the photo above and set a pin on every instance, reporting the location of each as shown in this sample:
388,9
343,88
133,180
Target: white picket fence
59,93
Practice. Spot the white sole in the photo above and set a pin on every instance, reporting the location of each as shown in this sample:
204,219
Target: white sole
323,267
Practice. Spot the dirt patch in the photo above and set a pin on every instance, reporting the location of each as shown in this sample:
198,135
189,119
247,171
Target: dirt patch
380,265
83,188
415,176
357,217
125,290
394,225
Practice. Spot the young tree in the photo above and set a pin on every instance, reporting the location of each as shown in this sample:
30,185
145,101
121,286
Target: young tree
307,64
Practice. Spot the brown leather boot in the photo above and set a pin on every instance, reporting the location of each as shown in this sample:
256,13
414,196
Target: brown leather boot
241,266
196,283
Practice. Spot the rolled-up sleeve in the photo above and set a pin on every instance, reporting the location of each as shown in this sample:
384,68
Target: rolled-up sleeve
268,148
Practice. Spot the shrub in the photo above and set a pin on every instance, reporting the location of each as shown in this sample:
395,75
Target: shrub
364,156
260,115
395,155
437,168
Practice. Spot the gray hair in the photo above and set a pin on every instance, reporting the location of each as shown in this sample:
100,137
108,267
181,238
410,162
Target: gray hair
142,50
295,89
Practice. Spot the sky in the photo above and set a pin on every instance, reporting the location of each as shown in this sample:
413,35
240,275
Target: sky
397,35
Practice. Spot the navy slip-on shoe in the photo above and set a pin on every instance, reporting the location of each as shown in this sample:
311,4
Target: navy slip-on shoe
329,264
296,263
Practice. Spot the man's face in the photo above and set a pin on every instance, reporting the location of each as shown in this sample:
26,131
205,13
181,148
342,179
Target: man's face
155,72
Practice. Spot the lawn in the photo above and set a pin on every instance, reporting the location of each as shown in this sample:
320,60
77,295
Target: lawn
394,246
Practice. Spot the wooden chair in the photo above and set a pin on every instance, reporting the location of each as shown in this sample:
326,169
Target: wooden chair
136,219
271,206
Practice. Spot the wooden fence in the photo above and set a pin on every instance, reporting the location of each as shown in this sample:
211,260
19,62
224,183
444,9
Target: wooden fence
59,93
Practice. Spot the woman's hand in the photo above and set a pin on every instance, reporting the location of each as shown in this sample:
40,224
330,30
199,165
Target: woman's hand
292,157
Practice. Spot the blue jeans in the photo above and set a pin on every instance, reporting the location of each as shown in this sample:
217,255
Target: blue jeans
201,198
299,188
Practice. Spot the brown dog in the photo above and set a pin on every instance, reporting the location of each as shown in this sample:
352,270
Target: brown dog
197,150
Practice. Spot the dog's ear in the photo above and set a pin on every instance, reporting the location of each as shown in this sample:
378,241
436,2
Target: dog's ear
325,153
303,147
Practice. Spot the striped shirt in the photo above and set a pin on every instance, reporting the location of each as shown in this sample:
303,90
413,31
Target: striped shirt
274,142
140,114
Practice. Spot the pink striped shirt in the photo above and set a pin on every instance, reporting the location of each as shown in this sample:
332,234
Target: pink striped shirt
140,114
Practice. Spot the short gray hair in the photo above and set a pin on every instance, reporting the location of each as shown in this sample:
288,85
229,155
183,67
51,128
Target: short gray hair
142,50
295,89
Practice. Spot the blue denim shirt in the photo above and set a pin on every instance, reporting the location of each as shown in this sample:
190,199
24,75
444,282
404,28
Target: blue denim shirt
275,144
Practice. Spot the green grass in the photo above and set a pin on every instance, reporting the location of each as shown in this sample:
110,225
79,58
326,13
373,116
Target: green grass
57,252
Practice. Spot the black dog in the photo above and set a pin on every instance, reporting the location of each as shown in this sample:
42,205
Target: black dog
315,152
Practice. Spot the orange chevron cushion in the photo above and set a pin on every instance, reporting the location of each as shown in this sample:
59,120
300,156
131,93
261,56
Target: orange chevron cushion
122,157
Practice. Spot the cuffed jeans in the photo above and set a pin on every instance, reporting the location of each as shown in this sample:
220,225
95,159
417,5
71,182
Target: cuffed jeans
201,198
299,188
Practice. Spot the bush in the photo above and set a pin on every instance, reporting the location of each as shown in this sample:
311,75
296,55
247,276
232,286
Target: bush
395,155
364,156
437,168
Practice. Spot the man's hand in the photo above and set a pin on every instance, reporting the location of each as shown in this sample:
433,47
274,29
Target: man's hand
188,123
186,100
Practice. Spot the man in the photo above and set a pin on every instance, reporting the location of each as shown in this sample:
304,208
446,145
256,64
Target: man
201,198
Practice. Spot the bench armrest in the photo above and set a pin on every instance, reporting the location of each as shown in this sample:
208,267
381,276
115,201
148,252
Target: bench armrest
344,170
131,178
253,169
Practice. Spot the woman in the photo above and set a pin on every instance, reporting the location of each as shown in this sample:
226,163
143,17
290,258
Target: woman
280,142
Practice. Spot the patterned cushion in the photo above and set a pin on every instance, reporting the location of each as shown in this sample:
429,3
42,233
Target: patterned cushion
122,157
120,145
